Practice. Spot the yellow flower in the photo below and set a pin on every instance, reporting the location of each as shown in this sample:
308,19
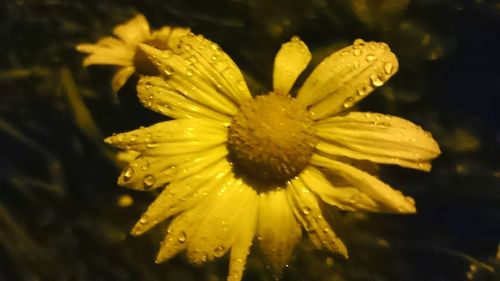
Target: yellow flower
122,49
239,167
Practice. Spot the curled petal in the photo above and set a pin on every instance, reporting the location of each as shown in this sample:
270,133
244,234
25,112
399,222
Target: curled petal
222,222
186,79
289,63
133,31
308,212
172,137
391,199
347,76
344,198
277,229
378,138
155,94
182,195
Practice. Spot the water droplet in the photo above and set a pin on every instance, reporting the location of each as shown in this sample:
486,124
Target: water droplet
306,210
388,67
359,42
357,52
128,173
377,79
189,73
370,57
363,90
295,38
219,251
149,181
214,58
168,70
348,102
182,237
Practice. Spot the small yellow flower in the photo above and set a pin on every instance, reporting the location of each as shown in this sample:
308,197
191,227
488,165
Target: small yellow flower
122,49
239,167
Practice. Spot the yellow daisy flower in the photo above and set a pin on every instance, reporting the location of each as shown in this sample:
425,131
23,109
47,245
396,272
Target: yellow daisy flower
239,167
122,49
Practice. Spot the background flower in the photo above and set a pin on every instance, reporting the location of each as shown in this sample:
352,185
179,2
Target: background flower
57,213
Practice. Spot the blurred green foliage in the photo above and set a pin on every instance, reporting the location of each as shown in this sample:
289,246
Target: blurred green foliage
62,216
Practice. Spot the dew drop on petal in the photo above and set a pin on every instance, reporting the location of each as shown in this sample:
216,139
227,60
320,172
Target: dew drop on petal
128,173
348,102
306,210
377,79
168,70
219,251
370,57
388,68
182,237
357,52
359,42
149,181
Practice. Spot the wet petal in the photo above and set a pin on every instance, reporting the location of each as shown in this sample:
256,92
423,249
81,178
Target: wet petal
188,81
277,229
155,94
121,77
172,137
183,195
222,222
289,63
344,198
308,212
215,67
242,244
150,172
133,31
378,138
347,76
392,200
119,55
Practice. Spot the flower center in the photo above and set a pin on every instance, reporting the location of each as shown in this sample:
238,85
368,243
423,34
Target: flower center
270,140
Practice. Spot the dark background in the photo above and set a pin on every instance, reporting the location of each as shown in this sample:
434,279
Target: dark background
60,217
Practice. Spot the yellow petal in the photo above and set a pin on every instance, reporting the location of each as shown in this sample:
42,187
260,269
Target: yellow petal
347,76
392,200
133,31
378,138
105,55
289,63
121,77
155,94
308,212
172,137
146,172
180,231
242,244
215,67
277,229
183,195
185,79
345,198
222,222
